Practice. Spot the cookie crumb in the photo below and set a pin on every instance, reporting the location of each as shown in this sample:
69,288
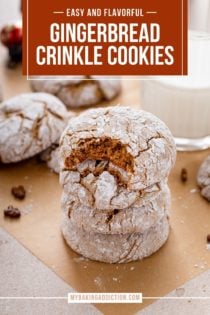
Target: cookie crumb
18,192
98,281
115,279
183,175
12,212
193,191
208,246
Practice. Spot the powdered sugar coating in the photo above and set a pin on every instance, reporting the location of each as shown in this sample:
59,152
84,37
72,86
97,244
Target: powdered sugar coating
52,156
30,123
147,140
120,248
80,90
92,187
203,178
135,219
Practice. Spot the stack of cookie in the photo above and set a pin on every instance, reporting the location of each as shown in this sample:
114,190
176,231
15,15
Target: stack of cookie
114,168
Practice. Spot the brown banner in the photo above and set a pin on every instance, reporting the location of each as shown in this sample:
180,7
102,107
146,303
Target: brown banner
105,38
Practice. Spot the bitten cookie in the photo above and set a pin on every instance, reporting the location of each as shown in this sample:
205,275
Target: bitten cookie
135,219
139,148
203,178
111,248
30,123
80,90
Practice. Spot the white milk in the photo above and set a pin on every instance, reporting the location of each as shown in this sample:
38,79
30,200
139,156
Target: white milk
183,103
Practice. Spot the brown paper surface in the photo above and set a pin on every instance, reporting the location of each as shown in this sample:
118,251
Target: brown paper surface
183,257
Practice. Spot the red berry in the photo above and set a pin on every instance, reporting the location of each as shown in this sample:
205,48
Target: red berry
16,36
11,35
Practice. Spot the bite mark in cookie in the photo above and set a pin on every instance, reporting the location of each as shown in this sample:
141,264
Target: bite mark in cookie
104,148
132,140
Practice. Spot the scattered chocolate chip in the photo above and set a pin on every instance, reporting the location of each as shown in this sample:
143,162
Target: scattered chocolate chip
18,192
183,176
12,212
208,238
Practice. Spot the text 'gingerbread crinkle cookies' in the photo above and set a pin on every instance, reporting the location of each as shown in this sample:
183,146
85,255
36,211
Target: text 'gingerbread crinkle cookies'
77,91
29,124
114,168
138,146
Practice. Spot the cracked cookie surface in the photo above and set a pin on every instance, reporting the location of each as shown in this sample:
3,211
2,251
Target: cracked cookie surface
29,124
203,178
102,186
51,156
120,248
80,91
137,146
134,219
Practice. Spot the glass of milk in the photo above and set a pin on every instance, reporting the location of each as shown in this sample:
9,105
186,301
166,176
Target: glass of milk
183,103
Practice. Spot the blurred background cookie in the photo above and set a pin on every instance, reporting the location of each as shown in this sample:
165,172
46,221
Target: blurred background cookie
78,91
203,178
29,124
